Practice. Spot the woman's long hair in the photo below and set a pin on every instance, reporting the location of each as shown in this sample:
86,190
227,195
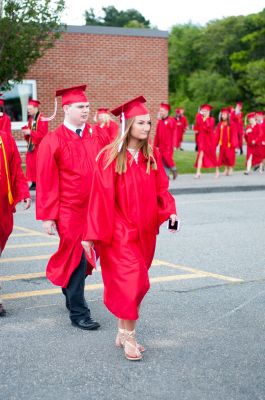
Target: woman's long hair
111,151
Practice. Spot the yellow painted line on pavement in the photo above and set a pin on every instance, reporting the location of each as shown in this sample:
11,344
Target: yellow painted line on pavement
24,258
26,245
34,293
7,278
15,235
32,232
199,272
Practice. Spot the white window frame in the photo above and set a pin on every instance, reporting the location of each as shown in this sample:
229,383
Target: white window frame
17,125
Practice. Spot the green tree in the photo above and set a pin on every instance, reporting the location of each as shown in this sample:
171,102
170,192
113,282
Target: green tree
113,17
27,29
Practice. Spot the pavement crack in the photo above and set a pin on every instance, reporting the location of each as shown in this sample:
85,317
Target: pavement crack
207,287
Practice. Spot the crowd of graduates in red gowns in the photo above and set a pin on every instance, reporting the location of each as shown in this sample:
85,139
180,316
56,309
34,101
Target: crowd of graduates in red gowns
104,189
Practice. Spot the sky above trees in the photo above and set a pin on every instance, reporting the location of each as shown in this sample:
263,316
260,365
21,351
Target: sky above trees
167,13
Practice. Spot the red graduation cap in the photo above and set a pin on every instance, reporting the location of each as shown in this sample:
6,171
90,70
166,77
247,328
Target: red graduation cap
131,108
166,106
178,110
251,115
74,94
225,110
260,113
34,103
206,107
239,103
102,110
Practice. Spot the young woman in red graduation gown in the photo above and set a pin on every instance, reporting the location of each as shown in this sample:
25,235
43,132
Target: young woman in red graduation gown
129,201
105,126
206,141
226,136
254,145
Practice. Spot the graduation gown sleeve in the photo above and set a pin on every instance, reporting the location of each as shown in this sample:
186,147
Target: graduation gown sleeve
165,200
47,196
100,216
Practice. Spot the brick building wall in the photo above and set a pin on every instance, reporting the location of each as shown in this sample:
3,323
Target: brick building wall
116,63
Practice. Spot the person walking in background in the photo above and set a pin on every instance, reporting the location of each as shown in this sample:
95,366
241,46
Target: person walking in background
124,218
226,137
181,127
106,126
237,118
204,126
254,146
261,137
164,139
65,164
13,189
5,121
34,132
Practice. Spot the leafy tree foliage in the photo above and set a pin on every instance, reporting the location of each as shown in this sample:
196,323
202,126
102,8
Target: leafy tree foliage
220,63
27,29
112,17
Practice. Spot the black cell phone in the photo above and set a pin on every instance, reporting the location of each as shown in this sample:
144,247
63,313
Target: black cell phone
175,226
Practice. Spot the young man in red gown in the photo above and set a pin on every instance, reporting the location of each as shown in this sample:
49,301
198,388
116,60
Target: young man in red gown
65,164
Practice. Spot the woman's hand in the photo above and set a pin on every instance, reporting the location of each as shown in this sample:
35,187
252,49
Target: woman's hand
49,226
173,218
87,245
27,203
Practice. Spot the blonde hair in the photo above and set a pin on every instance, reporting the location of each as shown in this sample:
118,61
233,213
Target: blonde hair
112,151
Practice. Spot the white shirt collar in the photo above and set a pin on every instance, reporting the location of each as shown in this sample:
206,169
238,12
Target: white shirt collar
74,128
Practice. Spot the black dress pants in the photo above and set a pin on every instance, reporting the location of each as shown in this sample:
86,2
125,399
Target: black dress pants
75,292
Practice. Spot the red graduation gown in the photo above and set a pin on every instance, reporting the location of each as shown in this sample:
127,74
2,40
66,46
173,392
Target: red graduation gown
206,141
112,130
18,185
38,131
226,136
253,133
5,123
164,140
238,120
123,219
181,126
65,165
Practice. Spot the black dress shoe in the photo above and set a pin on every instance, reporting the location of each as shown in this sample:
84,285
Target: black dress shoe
2,311
86,323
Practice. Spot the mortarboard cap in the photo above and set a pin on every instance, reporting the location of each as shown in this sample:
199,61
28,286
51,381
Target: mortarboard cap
131,108
102,110
225,110
74,94
260,113
34,103
166,106
251,115
206,107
